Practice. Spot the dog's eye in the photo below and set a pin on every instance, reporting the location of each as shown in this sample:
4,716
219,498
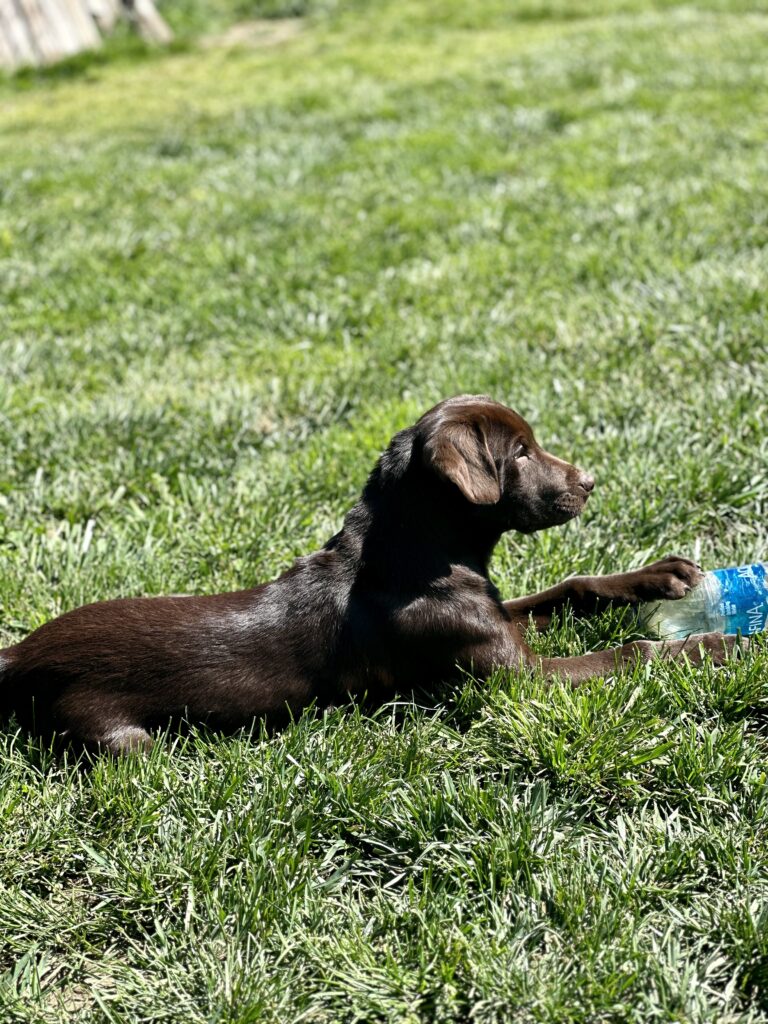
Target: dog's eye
519,450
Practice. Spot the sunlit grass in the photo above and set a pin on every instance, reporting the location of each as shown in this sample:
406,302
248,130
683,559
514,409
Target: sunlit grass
228,277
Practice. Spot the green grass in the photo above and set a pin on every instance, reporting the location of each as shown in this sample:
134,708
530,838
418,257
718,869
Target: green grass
227,278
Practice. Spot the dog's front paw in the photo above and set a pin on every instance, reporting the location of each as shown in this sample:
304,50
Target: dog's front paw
718,647
669,579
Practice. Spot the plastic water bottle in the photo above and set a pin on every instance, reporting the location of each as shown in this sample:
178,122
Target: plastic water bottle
731,600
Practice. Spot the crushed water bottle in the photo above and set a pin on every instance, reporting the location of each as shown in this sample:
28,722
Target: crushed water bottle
731,600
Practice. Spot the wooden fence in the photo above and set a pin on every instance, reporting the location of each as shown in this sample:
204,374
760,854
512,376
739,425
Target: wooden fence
34,32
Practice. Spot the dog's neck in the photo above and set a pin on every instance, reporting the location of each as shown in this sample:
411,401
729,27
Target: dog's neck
408,524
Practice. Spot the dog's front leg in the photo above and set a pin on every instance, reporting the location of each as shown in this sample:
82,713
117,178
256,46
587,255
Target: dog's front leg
715,646
668,579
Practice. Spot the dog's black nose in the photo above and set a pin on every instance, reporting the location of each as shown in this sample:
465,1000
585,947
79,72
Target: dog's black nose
586,482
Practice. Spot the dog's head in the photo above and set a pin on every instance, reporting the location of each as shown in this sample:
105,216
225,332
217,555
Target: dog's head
488,452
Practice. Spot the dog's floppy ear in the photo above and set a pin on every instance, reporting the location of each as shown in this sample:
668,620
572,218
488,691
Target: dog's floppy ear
459,452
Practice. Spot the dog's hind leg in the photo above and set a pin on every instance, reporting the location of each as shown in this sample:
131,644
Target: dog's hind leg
126,738
100,722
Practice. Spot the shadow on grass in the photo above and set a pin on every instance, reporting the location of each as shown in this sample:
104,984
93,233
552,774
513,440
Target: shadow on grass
123,48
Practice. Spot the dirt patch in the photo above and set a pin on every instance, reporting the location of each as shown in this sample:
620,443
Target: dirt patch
256,33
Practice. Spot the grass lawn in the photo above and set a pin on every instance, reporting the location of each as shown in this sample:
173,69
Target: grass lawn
228,276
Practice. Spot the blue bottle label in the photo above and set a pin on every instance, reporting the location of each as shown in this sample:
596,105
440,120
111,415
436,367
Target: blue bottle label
744,598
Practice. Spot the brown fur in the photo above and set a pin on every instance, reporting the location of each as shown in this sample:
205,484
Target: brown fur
399,597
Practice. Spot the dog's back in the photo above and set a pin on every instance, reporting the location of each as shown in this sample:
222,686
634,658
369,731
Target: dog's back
223,659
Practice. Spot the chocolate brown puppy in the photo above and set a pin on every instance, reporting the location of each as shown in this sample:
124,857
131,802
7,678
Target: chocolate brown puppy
399,597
